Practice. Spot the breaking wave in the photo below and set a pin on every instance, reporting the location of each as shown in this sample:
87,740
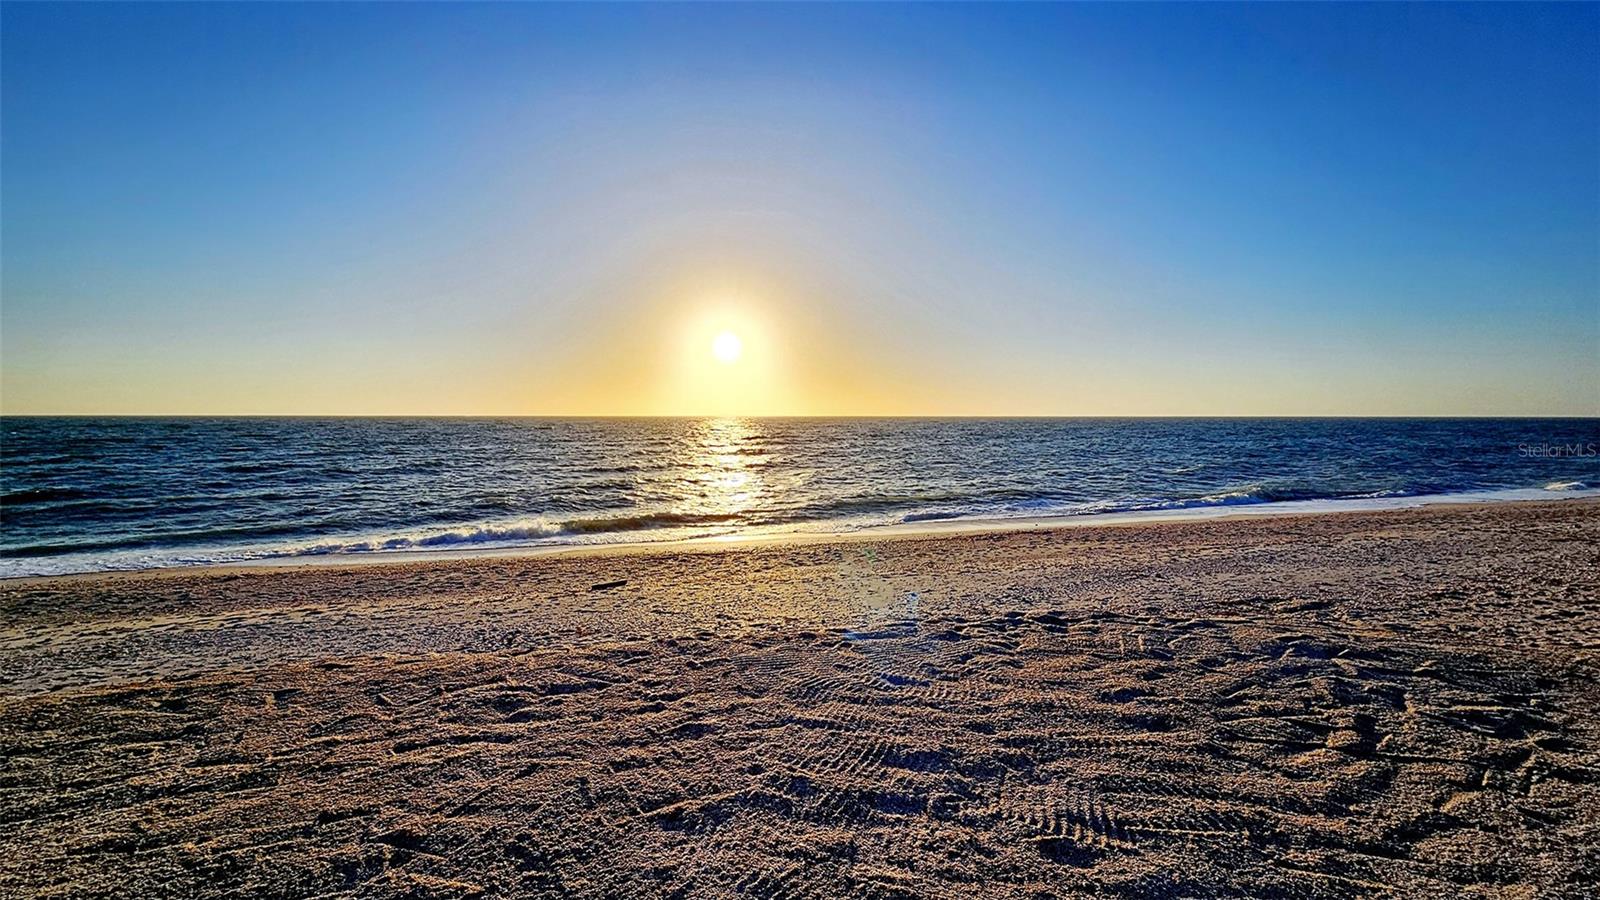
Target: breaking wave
511,534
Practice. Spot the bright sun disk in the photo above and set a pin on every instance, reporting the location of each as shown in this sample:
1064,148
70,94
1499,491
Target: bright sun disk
727,347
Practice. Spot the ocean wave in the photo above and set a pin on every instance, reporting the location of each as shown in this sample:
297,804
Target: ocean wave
253,468
483,534
855,505
1567,486
1241,496
644,521
1244,495
508,533
932,516
41,495
1050,505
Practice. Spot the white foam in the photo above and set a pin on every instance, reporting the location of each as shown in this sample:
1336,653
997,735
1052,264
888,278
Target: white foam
531,535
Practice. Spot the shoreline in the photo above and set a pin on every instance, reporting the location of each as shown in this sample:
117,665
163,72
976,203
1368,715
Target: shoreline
952,527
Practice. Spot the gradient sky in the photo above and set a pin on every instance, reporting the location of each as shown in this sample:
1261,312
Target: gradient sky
1059,210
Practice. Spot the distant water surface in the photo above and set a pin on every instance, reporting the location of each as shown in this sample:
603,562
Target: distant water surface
79,494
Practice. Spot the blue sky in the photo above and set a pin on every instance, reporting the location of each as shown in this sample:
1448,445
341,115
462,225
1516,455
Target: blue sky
1087,209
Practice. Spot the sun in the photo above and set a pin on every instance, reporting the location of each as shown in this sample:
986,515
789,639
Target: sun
727,347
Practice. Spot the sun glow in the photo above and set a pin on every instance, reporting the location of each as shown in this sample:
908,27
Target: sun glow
726,359
727,347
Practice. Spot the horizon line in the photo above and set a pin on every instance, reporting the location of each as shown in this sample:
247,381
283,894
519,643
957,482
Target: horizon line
818,416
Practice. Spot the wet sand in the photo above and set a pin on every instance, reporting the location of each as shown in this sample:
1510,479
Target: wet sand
1398,703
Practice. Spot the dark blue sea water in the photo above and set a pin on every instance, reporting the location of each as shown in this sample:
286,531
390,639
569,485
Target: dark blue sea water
91,494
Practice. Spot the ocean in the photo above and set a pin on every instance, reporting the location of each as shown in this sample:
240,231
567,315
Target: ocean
96,494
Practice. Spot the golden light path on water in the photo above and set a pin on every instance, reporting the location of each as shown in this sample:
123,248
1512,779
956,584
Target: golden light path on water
724,475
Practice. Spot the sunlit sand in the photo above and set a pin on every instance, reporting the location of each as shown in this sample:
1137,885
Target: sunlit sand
1389,700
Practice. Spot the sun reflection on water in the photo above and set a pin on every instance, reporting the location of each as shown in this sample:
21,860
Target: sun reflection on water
723,467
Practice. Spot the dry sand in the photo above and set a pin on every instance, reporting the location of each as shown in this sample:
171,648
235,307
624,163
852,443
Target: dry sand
1369,704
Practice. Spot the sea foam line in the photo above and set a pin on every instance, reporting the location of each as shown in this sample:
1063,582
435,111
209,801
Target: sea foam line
669,527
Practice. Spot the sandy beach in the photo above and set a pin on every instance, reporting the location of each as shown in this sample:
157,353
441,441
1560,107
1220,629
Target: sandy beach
1394,703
